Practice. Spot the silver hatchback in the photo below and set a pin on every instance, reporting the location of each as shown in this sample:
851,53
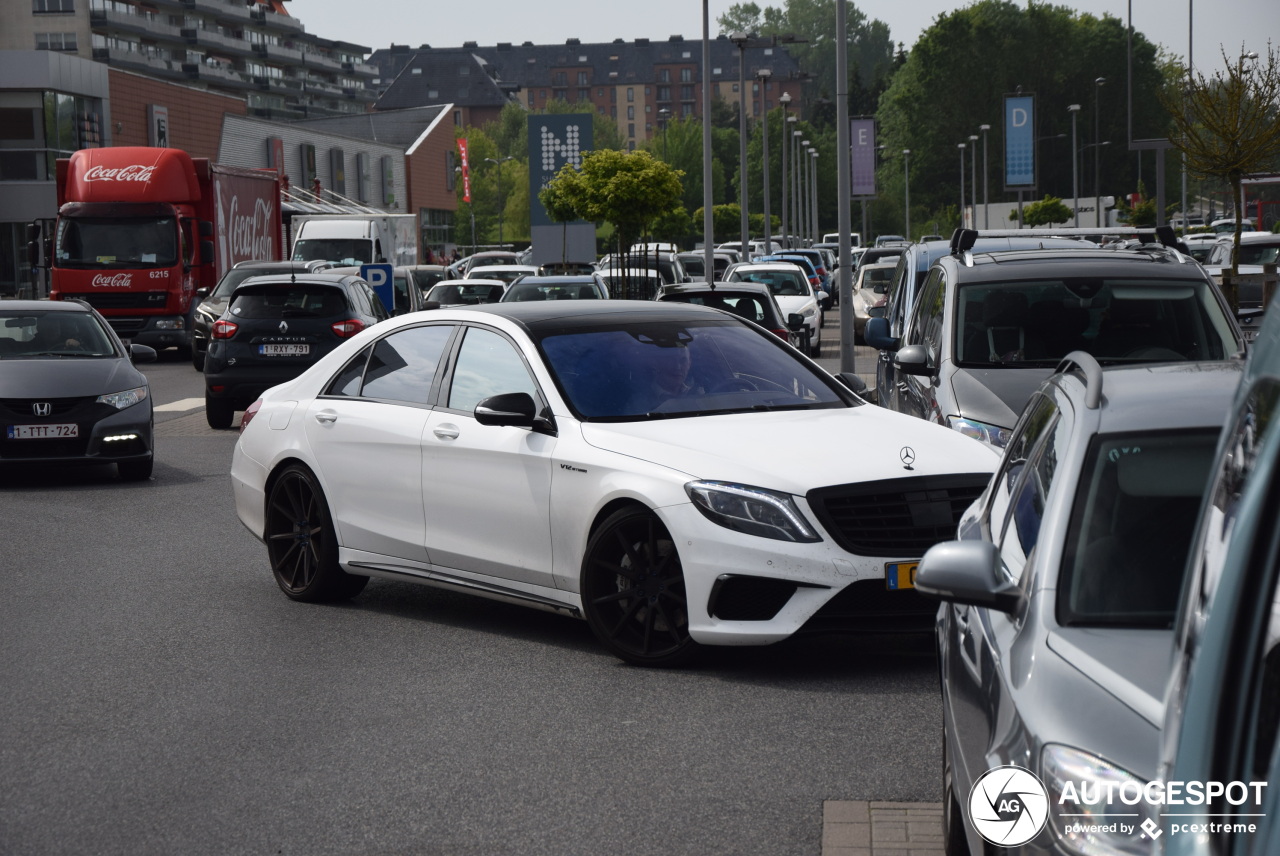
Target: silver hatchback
1055,636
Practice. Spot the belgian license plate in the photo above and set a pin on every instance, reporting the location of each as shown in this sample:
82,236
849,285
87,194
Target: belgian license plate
284,350
43,432
900,575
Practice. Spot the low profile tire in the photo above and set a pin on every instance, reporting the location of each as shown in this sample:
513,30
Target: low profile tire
219,412
633,591
301,542
139,470
197,359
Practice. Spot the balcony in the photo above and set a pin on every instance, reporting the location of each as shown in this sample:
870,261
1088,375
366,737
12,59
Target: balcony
216,75
213,40
149,62
281,53
275,21
319,60
112,23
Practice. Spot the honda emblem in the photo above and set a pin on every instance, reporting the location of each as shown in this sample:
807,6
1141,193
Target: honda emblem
41,408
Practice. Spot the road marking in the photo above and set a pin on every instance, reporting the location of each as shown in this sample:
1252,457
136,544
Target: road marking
180,405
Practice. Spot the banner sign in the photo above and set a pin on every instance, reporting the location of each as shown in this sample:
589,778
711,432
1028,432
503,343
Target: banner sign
554,140
862,157
466,169
1019,142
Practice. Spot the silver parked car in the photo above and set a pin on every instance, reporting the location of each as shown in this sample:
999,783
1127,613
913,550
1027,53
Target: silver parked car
1055,636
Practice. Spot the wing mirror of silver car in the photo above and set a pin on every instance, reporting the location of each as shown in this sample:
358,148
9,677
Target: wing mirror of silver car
968,572
913,360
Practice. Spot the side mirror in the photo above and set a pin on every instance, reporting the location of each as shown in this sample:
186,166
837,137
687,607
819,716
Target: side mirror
967,572
202,292
876,312
207,251
515,409
877,335
913,360
795,322
142,354
206,228
854,382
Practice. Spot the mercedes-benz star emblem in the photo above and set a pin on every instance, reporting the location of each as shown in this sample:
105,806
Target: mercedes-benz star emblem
908,456
284,327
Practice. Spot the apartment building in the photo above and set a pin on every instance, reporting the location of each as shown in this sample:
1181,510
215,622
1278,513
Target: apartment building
252,49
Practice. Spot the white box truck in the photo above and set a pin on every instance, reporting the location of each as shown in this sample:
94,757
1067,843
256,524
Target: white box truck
356,239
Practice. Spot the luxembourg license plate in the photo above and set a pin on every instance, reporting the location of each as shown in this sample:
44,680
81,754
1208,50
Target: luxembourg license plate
900,575
284,350
43,432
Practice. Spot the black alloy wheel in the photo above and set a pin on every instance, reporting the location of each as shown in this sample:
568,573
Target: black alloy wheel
633,590
301,542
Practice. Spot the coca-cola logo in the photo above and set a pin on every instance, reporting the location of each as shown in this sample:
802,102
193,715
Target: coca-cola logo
133,172
107,280
251,235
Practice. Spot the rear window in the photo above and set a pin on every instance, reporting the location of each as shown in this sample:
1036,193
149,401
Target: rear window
747,306
257,302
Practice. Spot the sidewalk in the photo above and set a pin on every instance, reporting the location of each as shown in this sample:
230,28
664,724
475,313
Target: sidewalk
874,828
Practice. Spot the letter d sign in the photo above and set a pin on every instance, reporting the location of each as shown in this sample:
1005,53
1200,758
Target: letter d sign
1019,117
379,277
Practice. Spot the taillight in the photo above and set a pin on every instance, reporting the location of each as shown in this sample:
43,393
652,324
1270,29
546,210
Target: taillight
249,413
224,329
347,329
782,334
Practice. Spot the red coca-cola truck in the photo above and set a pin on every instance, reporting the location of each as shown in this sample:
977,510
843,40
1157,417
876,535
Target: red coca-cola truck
139,230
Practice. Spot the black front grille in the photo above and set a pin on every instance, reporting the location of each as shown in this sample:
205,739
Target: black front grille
867,606
21,409
124,299
896,517
749,598
63,447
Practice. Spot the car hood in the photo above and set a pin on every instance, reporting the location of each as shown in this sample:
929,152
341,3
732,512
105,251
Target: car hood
66,377
994,396
777,450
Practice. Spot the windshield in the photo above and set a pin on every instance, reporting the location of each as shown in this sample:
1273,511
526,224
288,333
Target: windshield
462,292
1131,527
1257,254
27,335
344,251
1115,320
118,242
278,300
783,283
523,291
656,370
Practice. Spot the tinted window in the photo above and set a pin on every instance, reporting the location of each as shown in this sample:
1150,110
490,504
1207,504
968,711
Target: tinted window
1025,512
488,364
928,307
1040,415
256,302
404,364
1131,526
783,283
348,380
27,334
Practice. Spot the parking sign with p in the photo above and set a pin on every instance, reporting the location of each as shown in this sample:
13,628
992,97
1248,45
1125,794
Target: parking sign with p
379,276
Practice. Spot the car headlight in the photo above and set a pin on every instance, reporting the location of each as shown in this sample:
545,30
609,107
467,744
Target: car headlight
987,433
1098,827
809,311
170,324
121,400
751,510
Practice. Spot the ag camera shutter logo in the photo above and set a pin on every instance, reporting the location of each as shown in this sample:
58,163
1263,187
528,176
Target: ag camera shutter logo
1008,806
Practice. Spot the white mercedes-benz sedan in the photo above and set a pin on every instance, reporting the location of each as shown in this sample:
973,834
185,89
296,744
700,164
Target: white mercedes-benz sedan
646,466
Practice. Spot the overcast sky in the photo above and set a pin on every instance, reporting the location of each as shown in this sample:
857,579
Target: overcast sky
1229,23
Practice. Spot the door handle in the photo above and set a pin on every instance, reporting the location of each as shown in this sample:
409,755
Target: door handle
446,432
326,416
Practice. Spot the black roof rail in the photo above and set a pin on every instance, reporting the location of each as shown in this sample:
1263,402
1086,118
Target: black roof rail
1085,361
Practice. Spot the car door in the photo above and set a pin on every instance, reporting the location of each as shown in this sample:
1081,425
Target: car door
366,432
977,648
917,394
487,488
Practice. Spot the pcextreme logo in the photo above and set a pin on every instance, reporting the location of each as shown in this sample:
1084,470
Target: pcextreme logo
1008,806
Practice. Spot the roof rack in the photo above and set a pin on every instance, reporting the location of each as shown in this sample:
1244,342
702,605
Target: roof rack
1085,361
964,239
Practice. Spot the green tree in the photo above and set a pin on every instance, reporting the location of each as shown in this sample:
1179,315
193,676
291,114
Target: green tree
1228,126
1045,212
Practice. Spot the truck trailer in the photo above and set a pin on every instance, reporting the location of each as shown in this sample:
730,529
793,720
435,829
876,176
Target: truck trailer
140,229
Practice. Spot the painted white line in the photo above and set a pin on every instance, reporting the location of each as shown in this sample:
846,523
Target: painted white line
182,404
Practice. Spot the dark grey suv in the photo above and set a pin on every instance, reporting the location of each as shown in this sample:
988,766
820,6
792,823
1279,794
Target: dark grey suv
274,328
986,329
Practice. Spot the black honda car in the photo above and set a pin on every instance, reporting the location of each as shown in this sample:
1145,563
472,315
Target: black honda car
274,327
69,392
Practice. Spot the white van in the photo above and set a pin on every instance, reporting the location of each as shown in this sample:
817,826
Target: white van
855,238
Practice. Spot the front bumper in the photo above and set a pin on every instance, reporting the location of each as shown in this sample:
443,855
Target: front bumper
130,432
157,331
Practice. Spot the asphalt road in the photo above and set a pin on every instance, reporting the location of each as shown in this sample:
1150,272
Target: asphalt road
160,696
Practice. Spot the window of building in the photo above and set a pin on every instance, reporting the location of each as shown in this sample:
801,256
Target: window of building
39,6
560,94
664,75
686,110
631,112
56,41
686,93
648,90
600,92
664,93
686,75
559,78
631,129
530,97
582,78
584,94
464,71
631,94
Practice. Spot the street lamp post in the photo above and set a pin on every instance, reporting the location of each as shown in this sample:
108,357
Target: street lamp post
797,215
986,205
960,146
740,39
498,162
813,189
763,76
1097,150
785,100
973,177
1074,110
906,192
805,182
664,115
